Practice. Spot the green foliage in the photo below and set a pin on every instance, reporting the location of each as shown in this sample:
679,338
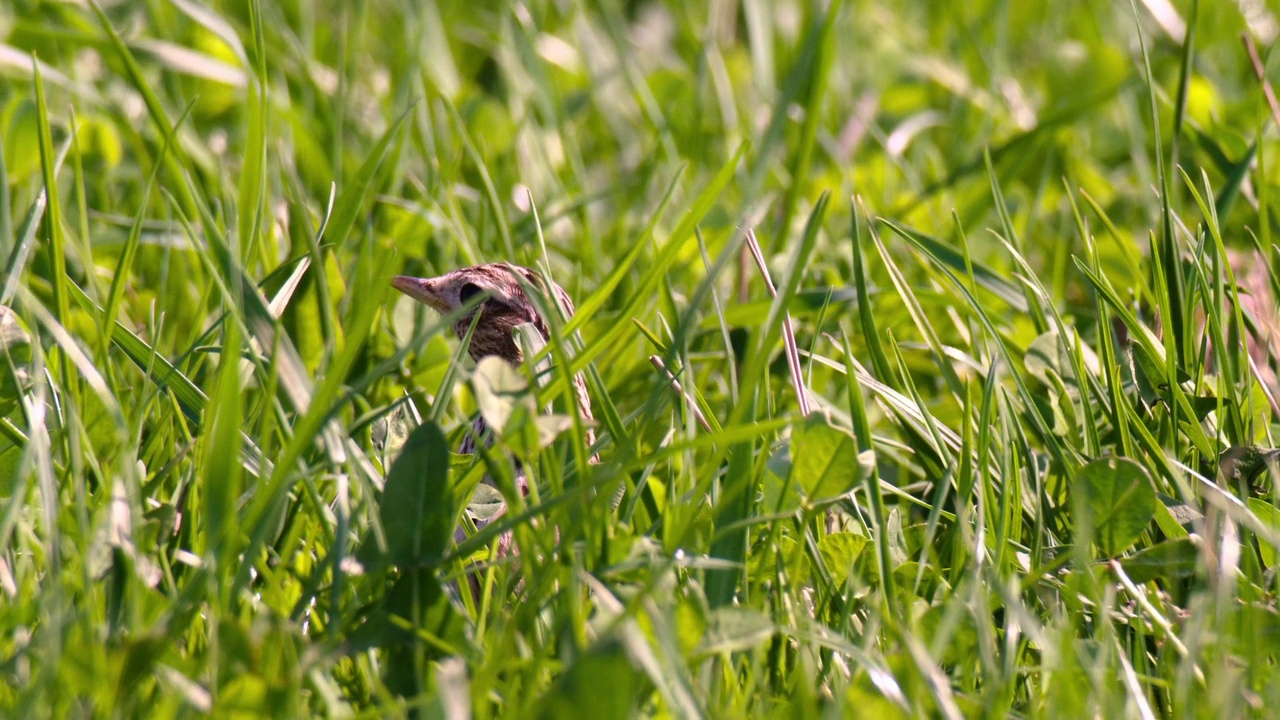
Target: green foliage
826,462
417,507
1117,505
998,437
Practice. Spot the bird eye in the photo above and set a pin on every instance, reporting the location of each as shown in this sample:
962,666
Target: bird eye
468,291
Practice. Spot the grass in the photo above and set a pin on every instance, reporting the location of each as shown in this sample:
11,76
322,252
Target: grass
1001,440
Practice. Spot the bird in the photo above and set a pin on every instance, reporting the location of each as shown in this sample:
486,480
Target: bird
505,306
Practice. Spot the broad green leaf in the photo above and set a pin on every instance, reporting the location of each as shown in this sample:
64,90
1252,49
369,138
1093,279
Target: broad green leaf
600,683
825,461
1048,353
414,617
486,503
840,551
778,492
390,432
499,388
418,509
1169,561
785,558
1120,502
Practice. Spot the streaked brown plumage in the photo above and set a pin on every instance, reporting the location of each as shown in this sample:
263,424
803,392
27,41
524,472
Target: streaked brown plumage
505,307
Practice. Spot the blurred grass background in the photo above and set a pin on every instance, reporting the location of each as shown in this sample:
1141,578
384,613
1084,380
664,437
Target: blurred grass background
1039,477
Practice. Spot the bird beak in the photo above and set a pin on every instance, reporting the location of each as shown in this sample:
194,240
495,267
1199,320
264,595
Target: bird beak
421,289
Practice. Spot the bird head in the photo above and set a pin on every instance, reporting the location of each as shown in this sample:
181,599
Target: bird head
495,291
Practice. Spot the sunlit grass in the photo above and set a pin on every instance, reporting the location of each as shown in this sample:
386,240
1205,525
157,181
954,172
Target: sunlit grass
1000,442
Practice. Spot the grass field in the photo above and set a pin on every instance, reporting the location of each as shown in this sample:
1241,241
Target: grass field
1001,445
